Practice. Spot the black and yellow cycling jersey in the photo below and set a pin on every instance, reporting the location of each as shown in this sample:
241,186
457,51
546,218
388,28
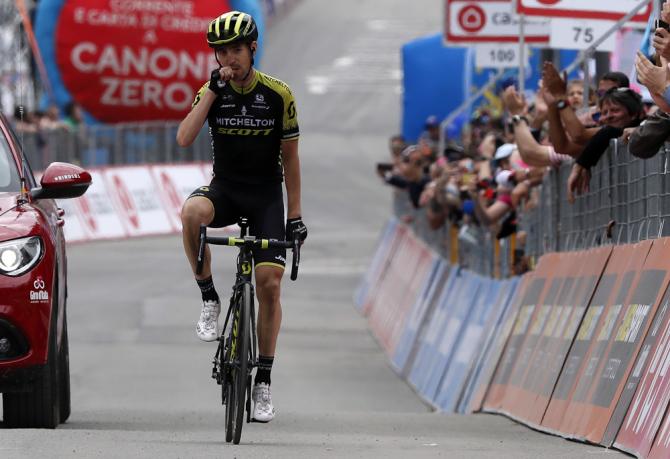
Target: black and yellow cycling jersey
247,126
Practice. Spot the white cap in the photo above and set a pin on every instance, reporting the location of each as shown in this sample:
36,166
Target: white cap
504,150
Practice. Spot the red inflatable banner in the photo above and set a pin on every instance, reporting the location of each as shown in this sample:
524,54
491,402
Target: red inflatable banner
127,60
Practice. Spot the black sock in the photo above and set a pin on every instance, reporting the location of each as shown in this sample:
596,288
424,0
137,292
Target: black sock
207,289
264,369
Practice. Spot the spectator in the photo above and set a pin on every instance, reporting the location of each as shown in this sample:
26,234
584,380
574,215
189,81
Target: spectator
23,120
74,116
430,137
621,108
645,141
51,119
411,176
531,151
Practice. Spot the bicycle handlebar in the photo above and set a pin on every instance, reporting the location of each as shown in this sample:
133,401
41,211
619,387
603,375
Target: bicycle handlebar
249,241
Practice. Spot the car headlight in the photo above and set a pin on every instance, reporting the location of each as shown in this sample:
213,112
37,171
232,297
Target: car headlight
19,255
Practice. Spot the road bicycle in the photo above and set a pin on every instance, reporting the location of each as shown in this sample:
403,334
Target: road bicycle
236,354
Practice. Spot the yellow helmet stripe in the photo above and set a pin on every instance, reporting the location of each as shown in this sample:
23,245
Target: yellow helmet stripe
217,27
226,26
238,24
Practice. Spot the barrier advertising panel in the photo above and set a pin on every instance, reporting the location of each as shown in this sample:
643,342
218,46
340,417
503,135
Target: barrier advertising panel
591,343
73,229
643,416
174,185
387,274
437,342
527,311
97,213
422,308
555,332
608,398
661,448
408,274
467,346
378,263
496,337
134,194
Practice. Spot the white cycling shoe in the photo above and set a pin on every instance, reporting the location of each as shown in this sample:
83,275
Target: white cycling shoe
206,328
262,397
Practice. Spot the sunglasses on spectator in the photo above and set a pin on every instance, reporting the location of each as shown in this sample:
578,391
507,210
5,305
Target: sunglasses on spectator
601,92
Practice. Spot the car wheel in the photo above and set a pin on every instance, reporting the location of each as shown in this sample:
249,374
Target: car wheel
64,374
39,407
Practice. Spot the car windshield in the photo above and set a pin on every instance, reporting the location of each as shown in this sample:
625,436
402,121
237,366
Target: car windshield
9,174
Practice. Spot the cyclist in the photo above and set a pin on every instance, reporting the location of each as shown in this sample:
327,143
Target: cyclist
254,129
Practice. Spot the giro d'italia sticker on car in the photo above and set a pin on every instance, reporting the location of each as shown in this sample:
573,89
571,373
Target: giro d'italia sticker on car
39,294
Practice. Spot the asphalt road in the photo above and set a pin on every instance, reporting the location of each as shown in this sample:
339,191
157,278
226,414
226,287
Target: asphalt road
141,384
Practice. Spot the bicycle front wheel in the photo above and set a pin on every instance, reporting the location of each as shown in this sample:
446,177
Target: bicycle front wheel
241,377
228,387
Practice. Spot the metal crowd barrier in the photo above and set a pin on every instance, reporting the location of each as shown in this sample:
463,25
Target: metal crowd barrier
627,203
112,144
470,246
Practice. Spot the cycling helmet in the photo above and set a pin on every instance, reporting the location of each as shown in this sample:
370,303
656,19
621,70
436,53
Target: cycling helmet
231,27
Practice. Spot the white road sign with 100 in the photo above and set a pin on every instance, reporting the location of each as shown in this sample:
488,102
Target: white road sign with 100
499,55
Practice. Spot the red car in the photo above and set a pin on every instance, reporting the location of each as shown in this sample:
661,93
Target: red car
34,363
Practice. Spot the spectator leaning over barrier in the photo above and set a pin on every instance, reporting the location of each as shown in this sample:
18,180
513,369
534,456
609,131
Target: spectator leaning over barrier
645,141
621,108
531,151
411,176
577,133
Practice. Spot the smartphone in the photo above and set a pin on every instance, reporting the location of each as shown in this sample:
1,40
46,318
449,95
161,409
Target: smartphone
661,24
384,167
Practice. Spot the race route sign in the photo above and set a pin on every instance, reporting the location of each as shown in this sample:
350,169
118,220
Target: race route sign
131,60
612,10
489,21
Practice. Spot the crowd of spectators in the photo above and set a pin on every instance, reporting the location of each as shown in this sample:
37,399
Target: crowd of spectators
45,132
489,177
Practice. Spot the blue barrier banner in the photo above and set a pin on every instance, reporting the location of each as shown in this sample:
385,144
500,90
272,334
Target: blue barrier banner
379,260
467,346
428,337
452,314
496,332
422,308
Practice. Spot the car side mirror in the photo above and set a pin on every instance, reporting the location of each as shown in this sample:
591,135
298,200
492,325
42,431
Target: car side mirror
62,181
